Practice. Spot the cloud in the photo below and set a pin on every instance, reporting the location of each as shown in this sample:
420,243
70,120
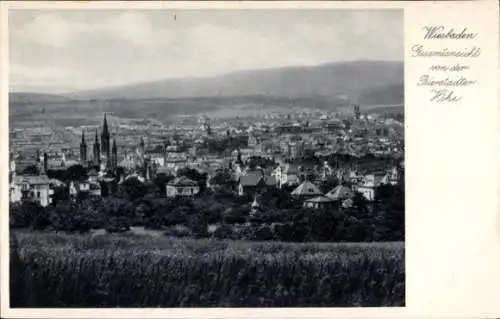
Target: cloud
47,30
134,28
91,49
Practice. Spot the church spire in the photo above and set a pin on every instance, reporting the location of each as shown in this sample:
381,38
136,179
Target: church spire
83,148
97,149
105,126
105,147
114,154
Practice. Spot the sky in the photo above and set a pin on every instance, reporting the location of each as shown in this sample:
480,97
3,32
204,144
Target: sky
68,50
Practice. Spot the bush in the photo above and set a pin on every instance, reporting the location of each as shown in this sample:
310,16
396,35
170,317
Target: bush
66,216
119,214
198,225
21,215
263,233
177,216
224,232
322,225
234,215
178,231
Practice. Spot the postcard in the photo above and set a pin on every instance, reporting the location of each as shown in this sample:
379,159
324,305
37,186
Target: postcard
275,159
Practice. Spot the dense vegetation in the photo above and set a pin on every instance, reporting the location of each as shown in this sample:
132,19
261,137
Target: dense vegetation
72,270
280,216
58,260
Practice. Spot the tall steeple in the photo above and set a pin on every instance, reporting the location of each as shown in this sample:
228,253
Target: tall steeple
105,147
105,126
38,163
114,155
142,145
97,149
83,148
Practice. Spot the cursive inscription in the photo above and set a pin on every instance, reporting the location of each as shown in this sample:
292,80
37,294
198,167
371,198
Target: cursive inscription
441,33
446,82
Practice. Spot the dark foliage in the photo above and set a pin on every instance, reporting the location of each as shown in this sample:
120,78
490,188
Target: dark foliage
278,217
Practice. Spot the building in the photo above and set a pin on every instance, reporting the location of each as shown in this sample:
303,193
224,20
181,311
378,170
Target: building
92,174
97,149
307,189
182,186
83,149
77,187
369,184
253,182
105,139
340,193
34,188
286,175
94,189
318,202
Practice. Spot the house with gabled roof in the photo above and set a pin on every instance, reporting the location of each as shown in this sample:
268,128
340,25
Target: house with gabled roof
307,189
182,186
31,188
318,202
254,182
340,193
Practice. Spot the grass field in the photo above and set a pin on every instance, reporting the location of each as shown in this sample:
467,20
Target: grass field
62,270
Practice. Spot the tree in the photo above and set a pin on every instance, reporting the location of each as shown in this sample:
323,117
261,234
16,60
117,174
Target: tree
176,215
263,233
278,198
89,210
194,175
56,174
161,181
22,215
31,170
223,182
198,225
234,215
389,223
66,216
322,225
328,184
361,219
75,173
118,214
132,189
223,232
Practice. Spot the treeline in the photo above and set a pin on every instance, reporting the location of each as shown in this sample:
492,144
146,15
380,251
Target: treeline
223,215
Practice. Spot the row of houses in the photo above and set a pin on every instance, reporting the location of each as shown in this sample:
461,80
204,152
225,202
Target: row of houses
248,181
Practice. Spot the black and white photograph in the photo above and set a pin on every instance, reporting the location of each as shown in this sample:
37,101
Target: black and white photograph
206,158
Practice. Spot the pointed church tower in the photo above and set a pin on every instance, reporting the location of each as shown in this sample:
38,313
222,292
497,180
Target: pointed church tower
114,155
105,147
38,162
141,146
97,149
83,148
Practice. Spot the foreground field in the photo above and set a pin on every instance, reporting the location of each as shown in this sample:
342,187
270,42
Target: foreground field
61,270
